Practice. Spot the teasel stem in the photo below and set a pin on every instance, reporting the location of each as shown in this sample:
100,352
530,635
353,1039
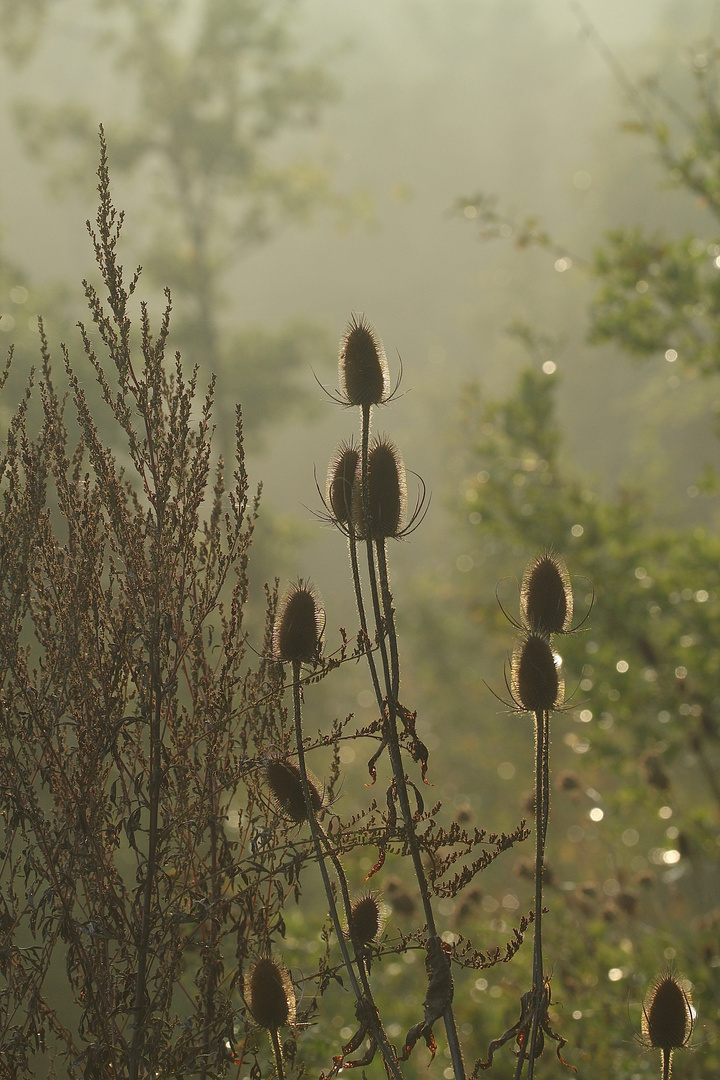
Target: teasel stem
666,1063
277,1051
320,840
391,670
542,810
357,585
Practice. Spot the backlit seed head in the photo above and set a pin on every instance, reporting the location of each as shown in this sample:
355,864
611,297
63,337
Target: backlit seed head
269,994
285,782
341,481
667,1021
363,366
536,681
546,599
386,493
367,917
298,629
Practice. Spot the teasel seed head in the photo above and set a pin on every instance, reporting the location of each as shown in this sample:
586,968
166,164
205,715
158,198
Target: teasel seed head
363,366
342,475
298,629
667,1021
285,782
386,493
269,994
537,684
546,599
367,918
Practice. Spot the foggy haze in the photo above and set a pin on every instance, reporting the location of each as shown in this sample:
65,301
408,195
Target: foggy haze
437,101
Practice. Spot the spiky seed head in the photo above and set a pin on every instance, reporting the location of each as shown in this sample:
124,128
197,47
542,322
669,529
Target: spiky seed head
285,782
667,1021
363,366
298,629
367,917
386,492
536,681
546,599
269,994
341,482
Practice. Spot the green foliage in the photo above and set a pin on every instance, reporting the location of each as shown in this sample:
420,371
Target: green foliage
658,295
640,749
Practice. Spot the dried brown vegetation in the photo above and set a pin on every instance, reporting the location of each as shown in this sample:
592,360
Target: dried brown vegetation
159,809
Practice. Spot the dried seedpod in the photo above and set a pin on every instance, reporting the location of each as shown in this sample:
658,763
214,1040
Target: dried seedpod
386,493
363,367
285,783
546,599
269,994
298,629
342,475
537,684
668,1018
367,918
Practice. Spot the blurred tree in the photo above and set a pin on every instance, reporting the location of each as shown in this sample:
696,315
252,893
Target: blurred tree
210,96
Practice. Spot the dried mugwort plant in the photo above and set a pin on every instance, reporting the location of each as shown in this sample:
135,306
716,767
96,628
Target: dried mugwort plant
143,867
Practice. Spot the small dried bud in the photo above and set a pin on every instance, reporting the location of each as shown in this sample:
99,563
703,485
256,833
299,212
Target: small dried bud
400,899
363,366
667,1021
546,599
536,682
386,493
568,781
627,901
367,917
297,634
269,994
341,482
285,783
654,770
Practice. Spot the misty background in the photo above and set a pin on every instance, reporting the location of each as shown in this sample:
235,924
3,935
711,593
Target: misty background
435,102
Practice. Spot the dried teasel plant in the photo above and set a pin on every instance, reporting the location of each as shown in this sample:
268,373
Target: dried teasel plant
368,915
366,498
546,598
270,997
536,686
668,1019
284,781
299,625
363,368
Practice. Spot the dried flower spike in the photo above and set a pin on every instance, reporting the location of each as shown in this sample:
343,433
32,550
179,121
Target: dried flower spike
546,600
269,994
341,482
363,366
537,684
386,493
297,634
367,917
285,783
667,1021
